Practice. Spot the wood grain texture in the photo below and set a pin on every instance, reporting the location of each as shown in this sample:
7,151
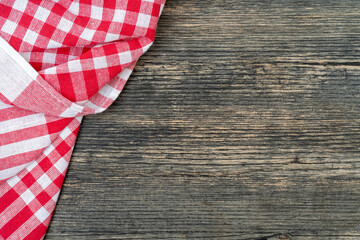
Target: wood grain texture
241,122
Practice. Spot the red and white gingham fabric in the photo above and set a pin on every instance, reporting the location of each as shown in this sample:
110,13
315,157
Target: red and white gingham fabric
59,60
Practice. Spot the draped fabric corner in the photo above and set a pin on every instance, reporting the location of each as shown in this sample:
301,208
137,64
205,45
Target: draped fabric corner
59,60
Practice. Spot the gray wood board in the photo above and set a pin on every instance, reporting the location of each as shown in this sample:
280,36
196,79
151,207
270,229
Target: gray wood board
241,122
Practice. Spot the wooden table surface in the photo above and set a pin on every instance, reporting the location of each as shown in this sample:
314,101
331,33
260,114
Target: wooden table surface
241,122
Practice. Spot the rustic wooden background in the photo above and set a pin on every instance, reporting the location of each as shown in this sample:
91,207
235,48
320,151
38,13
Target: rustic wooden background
241,122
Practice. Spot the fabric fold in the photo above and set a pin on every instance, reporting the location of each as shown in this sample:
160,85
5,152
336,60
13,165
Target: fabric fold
23,87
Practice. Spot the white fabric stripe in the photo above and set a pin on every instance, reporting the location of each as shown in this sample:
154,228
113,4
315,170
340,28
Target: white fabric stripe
109,92
4,106
125,74
13,181
69,112
97,109
65,133
24,146
61,165
145,48
17,75
31,165
18,58
22,122
56,196
81,103
4,174
72,111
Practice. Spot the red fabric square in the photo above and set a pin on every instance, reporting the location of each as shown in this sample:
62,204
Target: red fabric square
134,5
28,180
58,9
25,20
59,125
70,39
110,49
59,181
134,44
43,197
45,164
7,199
156,10
66,86
63,148
4,11
127,29
47,30
15,42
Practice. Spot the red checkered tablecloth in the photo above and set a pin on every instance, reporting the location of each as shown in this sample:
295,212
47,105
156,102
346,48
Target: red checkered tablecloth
59,60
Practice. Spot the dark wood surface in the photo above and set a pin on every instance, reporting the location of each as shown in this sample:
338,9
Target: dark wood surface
241,122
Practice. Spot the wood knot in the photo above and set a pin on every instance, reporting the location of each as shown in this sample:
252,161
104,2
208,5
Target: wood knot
296,160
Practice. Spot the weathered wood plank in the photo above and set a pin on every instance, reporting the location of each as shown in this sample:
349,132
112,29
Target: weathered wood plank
241,122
